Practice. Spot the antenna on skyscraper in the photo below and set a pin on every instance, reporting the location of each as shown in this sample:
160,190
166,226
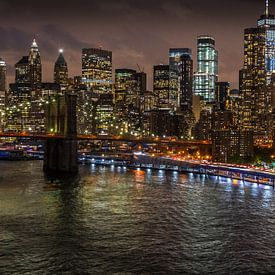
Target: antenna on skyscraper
267,7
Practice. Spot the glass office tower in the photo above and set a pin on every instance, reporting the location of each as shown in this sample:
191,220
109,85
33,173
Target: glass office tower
206,76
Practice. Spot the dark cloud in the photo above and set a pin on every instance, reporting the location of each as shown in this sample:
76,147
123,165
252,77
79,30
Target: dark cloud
136,31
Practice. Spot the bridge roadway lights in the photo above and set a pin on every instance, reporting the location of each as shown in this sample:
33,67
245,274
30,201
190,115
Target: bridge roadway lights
61,155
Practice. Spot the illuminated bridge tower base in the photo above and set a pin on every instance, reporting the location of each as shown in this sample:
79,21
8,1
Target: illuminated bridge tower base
61,150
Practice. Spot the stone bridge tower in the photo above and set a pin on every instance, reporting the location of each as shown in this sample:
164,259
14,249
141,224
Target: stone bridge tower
61,148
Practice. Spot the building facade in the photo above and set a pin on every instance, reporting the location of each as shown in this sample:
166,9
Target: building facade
165,87
255,79
181,60
35,67
206,75
61,71
98,93
222,95
97,70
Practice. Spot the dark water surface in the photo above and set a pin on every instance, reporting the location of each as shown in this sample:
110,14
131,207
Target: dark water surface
115,220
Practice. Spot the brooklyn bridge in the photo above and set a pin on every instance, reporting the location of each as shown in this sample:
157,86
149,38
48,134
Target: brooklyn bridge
61,137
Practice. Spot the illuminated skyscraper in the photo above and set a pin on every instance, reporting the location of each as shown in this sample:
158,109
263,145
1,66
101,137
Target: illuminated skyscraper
97,77
130,86
24,101
35,68
206,76
22,71
125,86
61,71
181,59
3,75
2,109
255,78
166,88
97,70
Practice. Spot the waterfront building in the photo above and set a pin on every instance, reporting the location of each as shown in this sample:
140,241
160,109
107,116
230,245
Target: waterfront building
61,71
231,145
206,75
165,87
162,123
202,129
255,78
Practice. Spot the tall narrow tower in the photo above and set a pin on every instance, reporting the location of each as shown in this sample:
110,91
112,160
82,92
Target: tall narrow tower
61,71
181,58
206,75
3,75
256,76
35,68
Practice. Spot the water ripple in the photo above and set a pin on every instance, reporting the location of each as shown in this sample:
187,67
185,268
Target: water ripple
133,222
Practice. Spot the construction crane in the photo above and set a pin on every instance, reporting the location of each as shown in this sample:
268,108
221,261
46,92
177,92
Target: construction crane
140,70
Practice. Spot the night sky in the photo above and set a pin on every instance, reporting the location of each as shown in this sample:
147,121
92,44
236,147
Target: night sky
136,31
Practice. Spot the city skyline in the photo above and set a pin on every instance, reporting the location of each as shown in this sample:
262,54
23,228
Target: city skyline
185,20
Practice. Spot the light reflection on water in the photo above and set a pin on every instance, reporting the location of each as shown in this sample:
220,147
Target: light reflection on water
117,220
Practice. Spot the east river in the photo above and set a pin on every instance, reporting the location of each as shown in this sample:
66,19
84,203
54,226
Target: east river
117,220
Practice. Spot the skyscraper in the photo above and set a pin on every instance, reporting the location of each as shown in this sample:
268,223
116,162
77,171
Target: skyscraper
125,86
165,87
2,109
97,70
24,101
206,76
255,78
222,94
61,71
181,59
22,71
130,86
35,68
97,78
3,75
